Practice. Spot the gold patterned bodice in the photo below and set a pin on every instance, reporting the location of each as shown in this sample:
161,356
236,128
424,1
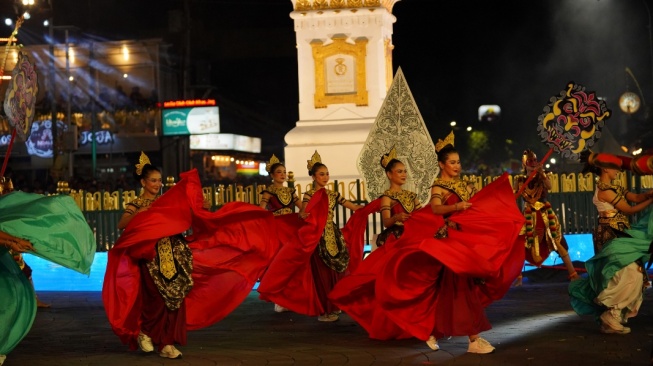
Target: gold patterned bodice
334,198
534,191
405,198
283,200
332,248
458,186
140,201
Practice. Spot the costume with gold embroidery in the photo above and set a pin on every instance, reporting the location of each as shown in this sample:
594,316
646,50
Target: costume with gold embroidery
458,190
332,248
402,202
172,267
421,285
542,229
282,200
612,222
230,249
616,277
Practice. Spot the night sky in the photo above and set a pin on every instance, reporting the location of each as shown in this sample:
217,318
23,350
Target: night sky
455,55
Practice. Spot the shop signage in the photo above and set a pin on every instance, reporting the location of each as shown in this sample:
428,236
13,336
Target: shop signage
225,141
101,137
190,120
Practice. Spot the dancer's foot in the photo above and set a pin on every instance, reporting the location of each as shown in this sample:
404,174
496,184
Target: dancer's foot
433,343
41,304
170,351
279,309
145,342
480,345
328,318
518,281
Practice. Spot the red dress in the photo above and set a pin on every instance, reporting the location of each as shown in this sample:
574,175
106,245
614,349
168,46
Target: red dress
356,293
230,250
298,279
421,286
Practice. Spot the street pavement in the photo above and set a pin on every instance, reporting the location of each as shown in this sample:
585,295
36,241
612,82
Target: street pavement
532,325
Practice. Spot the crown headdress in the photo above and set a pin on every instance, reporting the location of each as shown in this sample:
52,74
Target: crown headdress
442,143
142,161
273,160
314,159
388,157
528,154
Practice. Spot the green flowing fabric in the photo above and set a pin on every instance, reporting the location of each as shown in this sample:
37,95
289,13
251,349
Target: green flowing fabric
59,233
53,224
17,303
616,254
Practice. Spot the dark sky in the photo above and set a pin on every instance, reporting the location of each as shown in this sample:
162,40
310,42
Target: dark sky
455,55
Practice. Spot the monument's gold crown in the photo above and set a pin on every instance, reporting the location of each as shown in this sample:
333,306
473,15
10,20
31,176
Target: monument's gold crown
305,5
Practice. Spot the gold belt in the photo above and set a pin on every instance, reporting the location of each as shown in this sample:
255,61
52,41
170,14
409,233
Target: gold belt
608,214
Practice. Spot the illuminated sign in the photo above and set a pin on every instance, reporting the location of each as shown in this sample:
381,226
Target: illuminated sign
101,137
39,143
189,103
248,168
225,141
190,121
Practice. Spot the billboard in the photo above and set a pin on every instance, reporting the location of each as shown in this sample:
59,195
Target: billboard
225,141
190,120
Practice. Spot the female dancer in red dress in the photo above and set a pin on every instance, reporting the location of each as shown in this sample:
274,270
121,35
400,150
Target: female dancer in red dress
355,294
304,272
396,203
281,201
159,283
278,198
431,287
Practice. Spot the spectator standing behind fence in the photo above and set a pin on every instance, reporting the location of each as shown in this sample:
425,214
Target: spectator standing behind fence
159,283
542,229
280,200
302,274
613,289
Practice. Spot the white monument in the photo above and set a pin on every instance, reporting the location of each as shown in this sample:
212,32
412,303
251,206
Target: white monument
344,54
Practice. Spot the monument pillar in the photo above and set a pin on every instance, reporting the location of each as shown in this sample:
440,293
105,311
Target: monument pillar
344,57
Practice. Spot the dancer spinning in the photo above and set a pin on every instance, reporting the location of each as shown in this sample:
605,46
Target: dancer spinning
542,229
613,291
356,293
50,227
281,200
159,284
440,287
278,198
396,203
304,272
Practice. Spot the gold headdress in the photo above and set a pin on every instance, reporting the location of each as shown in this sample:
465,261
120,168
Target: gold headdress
141,163
273,160
388,157
6,186
447,141
528,154
314,159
